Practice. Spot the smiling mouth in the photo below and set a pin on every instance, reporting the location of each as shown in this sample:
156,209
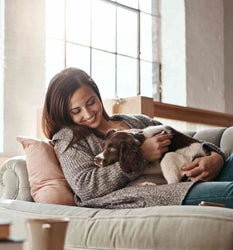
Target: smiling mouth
92,119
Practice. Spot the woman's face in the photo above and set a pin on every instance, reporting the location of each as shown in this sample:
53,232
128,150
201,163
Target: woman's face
85,107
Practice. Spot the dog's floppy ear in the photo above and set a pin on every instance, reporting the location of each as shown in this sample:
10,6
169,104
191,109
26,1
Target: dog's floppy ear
130,157
126,160
110,132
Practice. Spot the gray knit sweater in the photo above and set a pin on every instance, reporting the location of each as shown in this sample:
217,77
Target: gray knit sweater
109,187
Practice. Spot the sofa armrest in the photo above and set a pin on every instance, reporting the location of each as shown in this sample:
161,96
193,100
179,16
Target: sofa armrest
14,182
221,137
226,143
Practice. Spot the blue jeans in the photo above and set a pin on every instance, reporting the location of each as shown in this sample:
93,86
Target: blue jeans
219,191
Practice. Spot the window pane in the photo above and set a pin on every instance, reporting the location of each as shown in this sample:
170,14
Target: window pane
54,58
145,5
78,21
78,56
146,36
103,26
126,77
146,79
55,18
126,32
149,6
103,72
130,3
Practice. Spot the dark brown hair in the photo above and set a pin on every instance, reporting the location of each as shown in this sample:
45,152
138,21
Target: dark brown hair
56,113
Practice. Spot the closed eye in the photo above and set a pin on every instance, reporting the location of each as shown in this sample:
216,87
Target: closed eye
91,101
75,111
112,149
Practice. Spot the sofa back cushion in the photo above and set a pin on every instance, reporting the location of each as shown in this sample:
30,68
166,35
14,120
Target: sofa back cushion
47,182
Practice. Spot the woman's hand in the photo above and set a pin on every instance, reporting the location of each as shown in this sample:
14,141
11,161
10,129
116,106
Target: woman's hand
205,168
154,147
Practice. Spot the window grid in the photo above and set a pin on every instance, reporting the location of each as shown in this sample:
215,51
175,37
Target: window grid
117,53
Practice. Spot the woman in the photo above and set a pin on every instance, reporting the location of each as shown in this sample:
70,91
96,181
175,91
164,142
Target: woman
76,121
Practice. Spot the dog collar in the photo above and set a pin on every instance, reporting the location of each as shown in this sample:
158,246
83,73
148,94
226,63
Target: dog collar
136,136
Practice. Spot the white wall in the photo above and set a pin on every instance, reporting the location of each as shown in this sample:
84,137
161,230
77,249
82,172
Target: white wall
205,54
24,70
2,16
228,54
173,52
197,53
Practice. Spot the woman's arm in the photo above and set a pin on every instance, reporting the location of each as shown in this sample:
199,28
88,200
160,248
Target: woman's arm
86,179
205,168
147,121
154,147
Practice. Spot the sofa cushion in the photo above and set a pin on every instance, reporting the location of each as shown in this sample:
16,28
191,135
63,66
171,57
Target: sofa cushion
165,227
47,182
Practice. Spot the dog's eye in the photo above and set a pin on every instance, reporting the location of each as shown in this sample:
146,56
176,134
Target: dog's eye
112,149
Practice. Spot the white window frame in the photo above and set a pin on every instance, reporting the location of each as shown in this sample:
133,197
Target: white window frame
156,79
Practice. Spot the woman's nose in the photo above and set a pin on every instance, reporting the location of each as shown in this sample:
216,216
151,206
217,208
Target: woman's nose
86,114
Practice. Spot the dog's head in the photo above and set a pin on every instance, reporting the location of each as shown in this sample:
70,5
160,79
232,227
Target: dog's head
122,146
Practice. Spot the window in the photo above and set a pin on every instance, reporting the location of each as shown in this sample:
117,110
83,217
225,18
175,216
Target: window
2,16
116,42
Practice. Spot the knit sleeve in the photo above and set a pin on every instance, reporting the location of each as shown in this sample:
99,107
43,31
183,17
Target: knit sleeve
213,147
86,179
147,121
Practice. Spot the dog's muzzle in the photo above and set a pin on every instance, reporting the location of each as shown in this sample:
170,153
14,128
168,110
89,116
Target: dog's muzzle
98,160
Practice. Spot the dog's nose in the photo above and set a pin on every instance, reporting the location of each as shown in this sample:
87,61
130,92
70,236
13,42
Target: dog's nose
98,161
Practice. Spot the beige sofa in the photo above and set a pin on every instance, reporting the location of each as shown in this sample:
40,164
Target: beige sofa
171,227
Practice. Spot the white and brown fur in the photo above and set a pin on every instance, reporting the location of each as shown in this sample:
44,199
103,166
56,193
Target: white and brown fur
124,146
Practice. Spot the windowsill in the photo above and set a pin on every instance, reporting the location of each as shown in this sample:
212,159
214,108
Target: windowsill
145,105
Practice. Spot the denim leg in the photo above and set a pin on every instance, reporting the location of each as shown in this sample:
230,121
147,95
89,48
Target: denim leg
218,192
226,173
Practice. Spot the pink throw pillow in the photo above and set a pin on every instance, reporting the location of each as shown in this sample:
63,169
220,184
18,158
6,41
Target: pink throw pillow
47,182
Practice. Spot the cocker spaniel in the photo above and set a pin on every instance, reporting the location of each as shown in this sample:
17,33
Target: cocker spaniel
124,146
